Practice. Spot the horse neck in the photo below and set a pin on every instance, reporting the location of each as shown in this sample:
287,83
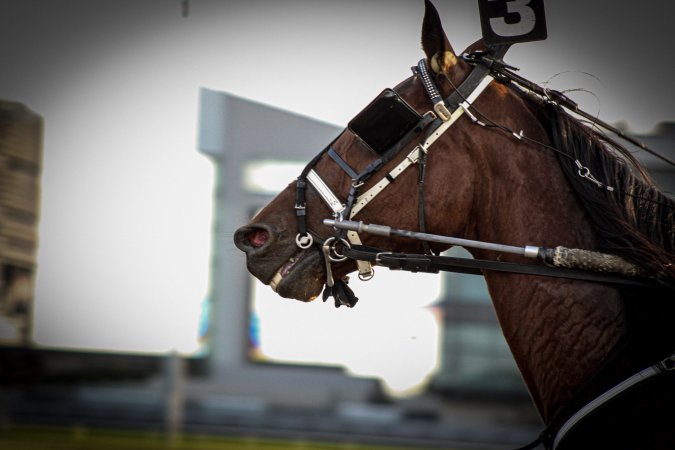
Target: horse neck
559,331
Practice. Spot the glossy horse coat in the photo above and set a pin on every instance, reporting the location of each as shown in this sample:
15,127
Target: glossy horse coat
572,340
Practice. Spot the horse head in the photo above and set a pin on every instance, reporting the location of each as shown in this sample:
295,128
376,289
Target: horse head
269,241
499,165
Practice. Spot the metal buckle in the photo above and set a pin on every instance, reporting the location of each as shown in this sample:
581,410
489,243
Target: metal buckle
304,241
431,114
332,253
366,276
378,258
668,363
414,155
442,111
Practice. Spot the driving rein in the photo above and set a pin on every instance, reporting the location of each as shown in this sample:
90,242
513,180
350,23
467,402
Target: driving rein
401,125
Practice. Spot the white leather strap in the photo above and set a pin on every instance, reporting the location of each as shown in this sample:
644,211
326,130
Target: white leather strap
366,270
324,191
365,198
365,267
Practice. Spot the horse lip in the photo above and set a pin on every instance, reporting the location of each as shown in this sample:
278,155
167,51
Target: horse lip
287,267
301,279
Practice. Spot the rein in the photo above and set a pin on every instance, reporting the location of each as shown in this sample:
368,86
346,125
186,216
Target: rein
559,262
445,113
507,73
488,65
345,244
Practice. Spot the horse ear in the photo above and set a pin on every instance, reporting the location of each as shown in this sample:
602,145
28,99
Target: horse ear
440,55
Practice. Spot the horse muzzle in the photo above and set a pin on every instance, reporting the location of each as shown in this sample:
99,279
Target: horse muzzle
273,257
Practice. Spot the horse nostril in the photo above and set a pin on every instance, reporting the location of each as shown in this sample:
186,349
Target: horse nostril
252,237
258,237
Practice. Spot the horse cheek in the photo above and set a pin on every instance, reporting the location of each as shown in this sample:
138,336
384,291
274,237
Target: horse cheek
449,198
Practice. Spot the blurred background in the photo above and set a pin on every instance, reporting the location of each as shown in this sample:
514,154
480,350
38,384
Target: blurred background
135,137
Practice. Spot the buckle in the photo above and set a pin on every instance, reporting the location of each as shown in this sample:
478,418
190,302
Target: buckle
304,241
330,249
366,276
378,256
414,155
668,363
442,111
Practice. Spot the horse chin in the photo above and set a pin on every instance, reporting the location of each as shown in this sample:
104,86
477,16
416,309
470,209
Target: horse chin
301,277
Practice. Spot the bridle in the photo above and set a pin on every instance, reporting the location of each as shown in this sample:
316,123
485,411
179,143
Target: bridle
430,126
427,128
346,243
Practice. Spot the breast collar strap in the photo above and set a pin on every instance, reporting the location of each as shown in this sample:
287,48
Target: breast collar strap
665,365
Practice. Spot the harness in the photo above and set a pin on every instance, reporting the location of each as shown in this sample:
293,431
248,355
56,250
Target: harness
387,125
402,124
387,107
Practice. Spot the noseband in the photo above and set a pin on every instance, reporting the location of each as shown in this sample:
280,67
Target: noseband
408,125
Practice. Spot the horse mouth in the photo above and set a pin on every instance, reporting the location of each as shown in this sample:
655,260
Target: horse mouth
300,277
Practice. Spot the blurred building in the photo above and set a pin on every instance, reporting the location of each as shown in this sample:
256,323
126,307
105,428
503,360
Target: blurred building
474,399
20,168
477,385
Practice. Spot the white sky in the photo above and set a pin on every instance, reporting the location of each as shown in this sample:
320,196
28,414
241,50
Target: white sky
126,200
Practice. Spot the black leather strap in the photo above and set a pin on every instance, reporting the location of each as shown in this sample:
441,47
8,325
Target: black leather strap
434,264
477,74
301,188
421,215
342,163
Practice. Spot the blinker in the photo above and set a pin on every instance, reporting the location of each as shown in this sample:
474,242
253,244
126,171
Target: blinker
384,122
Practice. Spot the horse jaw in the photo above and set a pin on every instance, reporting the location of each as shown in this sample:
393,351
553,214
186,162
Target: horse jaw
300,277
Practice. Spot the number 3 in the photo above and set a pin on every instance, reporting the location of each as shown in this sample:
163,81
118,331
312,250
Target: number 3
525,24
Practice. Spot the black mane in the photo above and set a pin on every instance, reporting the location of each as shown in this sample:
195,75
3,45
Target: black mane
635,220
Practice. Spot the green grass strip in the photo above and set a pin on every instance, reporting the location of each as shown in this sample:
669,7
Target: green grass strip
79,438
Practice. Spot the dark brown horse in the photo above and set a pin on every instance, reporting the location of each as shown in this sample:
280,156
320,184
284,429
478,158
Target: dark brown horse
572,340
